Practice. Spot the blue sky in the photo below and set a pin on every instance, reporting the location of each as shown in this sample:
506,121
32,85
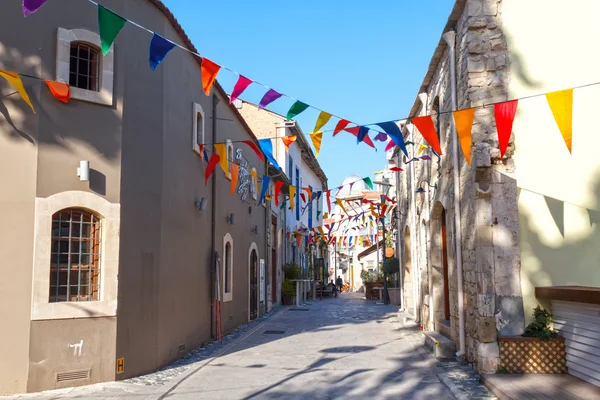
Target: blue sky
361,60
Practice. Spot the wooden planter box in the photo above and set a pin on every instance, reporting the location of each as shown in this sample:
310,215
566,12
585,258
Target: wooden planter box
370,292
288,300
520,355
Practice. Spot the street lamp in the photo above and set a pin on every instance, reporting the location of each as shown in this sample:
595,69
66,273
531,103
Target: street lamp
385,187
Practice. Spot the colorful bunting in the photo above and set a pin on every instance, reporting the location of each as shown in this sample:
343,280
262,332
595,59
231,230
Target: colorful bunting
396,169
287,140
394,132
241,85
296,109
110,24
328,195
561,104
505,115
367,180
316,138
339,203
425,125
214,160
426,158
255,148
267,148
341,125
355,130
278,186
362,132
268,98
265,187
221,150
422,147
308,192
292,196
209,70
15,80
31,6
463,120
159,47
322,120
390,145
61,91
235,172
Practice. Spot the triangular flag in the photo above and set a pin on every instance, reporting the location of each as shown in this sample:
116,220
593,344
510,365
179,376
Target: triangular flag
339,203
425,125
15,80
318,213
395,135
561,104
214,160
367,180
278,186
202,152
287,140
209,70
110,24
308,192
422,147
328,195
221,150
159,47
322,120
426,158
235,172
390,145
463,120
342,124
267,148
61,91
268,98
316,138
505,115
302,197
31,6
241,85
265,187
355,130
255,148
254,180
381,137
298,239
362,132
296,109
292,195
396,169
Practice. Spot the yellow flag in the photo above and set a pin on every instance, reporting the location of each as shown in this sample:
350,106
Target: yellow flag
339,203
322,120
292,195
15,80
422,147
561,104
463,120
316,140
221,150
321,231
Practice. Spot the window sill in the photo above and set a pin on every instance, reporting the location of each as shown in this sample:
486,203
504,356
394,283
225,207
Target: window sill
227,297
69,310
90,96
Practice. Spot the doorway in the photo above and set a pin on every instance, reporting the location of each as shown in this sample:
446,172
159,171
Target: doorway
445,268
253,285
408,273
274,261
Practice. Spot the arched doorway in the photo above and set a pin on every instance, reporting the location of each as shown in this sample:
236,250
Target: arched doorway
253,284
439,265
408,273
425,276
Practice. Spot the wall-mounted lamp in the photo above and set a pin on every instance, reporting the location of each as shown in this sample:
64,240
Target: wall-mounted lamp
421,190
200,204
83,171
230,218
255,229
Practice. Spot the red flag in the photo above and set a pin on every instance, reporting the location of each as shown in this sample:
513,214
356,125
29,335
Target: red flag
340,125
390,145
328,195
354,130
254,147
505,115
278,186
214,160
209,74
425,125
396,169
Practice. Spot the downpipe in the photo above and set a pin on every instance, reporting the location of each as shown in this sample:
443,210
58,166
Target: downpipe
450,38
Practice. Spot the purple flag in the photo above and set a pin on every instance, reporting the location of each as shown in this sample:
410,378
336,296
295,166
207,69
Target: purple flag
159,47
382,137
31,6
425,158
268,98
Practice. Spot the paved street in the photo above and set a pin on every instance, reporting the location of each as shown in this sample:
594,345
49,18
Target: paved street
344,347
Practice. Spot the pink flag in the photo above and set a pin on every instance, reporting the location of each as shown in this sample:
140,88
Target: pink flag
241,85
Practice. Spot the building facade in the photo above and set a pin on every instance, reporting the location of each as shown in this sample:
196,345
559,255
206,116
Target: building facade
115,276
472,272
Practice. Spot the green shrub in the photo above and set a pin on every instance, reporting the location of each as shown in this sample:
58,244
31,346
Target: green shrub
365,276
293,271
288,288
540,327
391,266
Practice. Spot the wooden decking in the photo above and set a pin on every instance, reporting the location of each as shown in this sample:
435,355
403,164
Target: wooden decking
540,386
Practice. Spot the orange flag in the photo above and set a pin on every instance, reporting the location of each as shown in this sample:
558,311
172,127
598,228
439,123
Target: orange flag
425,125
292,195
308,192
235,172
561,104
463,120
209,74
15,80
221,150
60,90
298,239
287,140
316,140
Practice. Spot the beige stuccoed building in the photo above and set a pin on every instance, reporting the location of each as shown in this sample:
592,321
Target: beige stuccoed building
527,229
112,277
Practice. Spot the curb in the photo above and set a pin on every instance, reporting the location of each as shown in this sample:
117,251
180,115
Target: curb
171,386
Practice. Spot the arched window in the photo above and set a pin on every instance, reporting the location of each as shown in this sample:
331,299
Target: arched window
84,66
227,282
229,157
227,266
435,116
75,256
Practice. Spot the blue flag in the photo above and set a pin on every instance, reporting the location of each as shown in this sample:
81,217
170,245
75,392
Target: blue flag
265,186
362,132
159,47
394,133
267,147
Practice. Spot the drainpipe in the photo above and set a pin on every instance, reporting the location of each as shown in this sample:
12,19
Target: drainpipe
398,237
413,222
213,225
450,38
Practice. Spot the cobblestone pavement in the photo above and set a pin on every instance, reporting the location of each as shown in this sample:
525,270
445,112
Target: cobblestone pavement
340,348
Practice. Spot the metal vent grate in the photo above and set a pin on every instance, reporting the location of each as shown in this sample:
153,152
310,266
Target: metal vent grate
181,347
273,332
73,375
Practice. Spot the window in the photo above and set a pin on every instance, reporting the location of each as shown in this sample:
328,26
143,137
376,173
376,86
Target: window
80,63
254,185
435,116
310,209
290,169
198,128
75,256
298,190
227,266
229,157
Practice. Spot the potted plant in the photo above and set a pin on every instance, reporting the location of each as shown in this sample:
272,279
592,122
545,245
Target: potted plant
539,350
391,267
288,292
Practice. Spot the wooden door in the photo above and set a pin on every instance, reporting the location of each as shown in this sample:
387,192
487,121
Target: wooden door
253,285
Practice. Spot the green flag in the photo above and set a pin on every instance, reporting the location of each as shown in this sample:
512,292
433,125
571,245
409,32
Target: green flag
296,109
110,25
368,182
